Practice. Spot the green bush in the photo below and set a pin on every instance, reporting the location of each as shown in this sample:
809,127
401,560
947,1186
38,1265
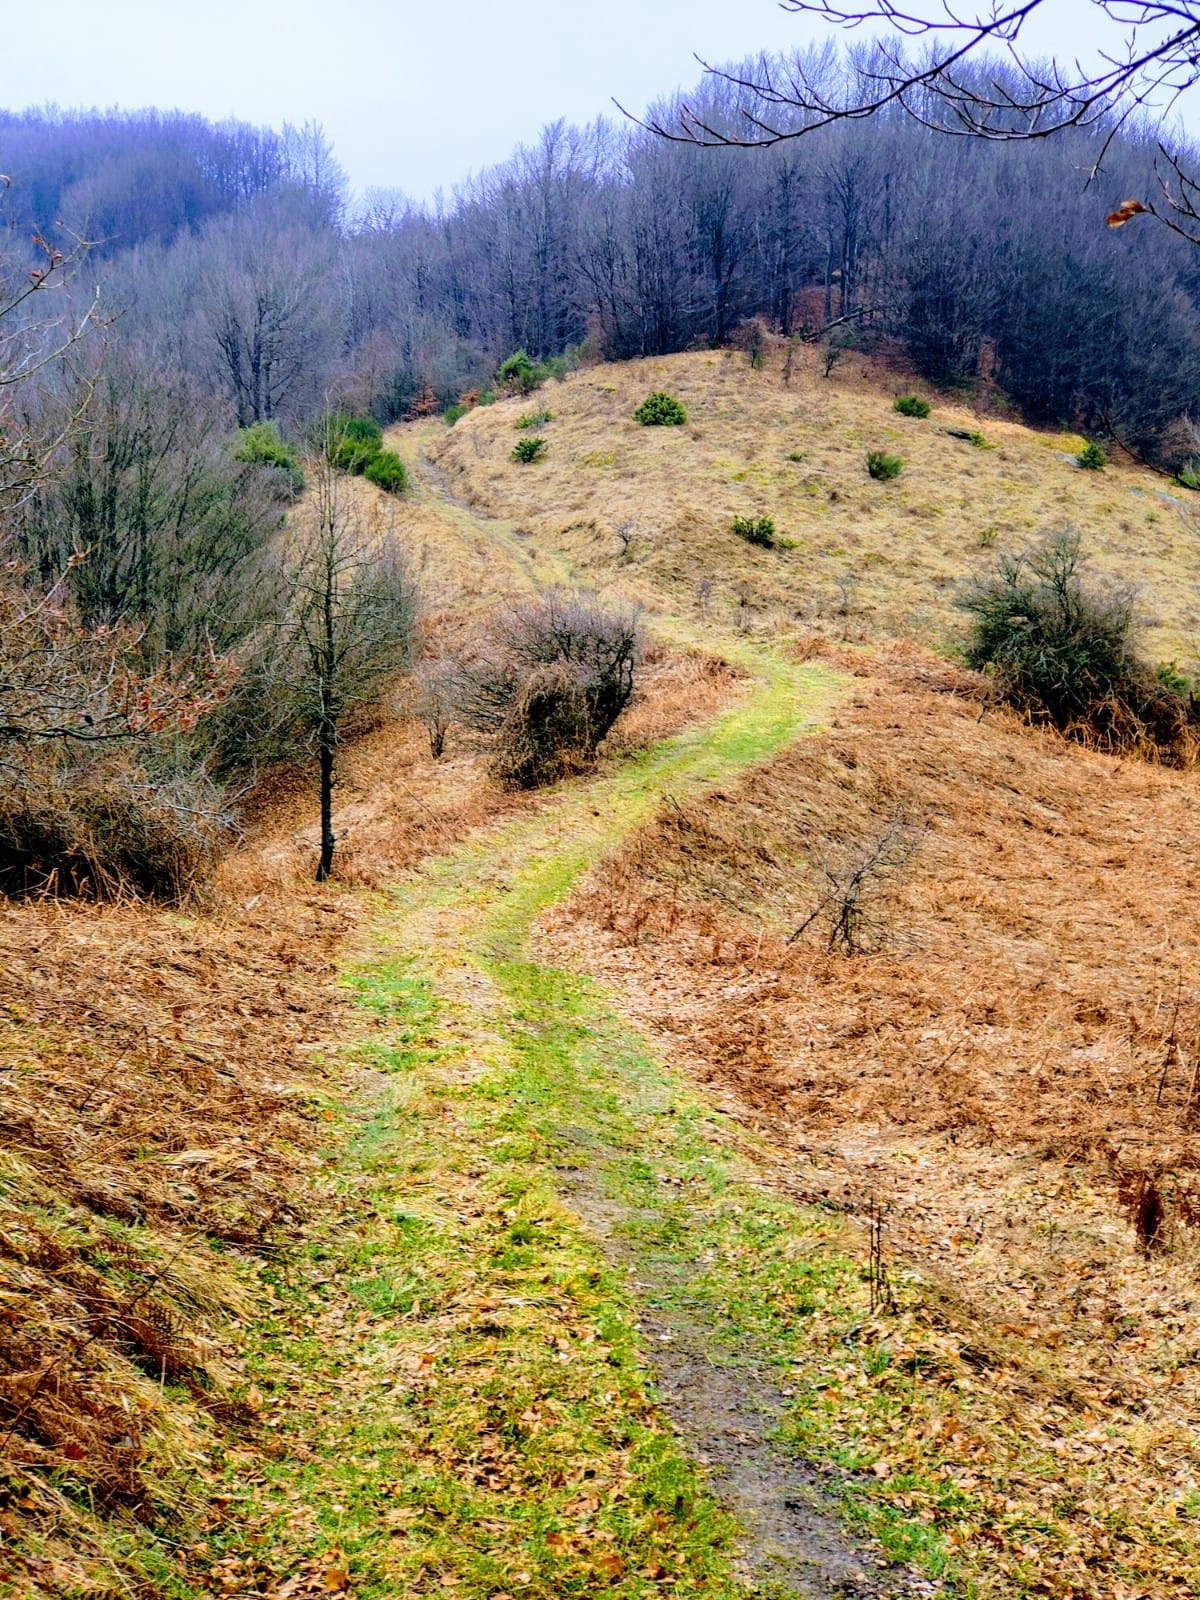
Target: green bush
386,471
357,430
262,445
1091,458
755,530
520,374
911,405
1063,652
1188,476
660,410
452,414
557,367
883,466
352,442
534,419
527,450
1172,677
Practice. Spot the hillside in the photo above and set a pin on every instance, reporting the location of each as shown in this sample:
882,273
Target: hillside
653,506
529,1213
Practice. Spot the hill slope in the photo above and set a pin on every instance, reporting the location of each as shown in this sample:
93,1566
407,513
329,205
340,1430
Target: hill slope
653,506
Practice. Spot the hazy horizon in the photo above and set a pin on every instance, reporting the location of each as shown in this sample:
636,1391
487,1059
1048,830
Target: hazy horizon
412,101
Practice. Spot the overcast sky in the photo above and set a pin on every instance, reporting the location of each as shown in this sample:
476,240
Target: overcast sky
413,96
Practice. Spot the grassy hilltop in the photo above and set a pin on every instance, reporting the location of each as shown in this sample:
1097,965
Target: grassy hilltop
653,506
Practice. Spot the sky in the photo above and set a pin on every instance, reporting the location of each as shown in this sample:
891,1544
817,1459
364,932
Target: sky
414,96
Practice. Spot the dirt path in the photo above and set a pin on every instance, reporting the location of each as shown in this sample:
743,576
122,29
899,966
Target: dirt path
488,554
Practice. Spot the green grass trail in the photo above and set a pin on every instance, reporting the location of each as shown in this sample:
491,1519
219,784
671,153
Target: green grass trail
469,1408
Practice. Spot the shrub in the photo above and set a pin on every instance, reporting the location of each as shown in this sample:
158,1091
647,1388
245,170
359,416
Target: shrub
911,405
351,442
1062,652
884,467
98,829
660,410
755,530
527,450
534,419
1170,675
386,471
1188,476
520,374
549,682
557,367
262,445
453,413
1091,458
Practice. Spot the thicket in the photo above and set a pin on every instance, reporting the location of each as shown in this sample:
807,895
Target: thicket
262,445
355,444
1063,650
547,682
911,405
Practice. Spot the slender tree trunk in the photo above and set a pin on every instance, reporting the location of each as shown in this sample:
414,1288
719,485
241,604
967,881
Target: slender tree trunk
328,739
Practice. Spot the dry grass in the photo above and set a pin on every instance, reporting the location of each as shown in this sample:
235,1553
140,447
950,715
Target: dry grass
650,509
396,805
1008,1075
155,1098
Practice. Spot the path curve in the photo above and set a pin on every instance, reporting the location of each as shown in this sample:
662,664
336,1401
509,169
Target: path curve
462,926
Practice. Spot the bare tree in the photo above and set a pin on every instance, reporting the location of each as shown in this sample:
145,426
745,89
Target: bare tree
974,78
349,627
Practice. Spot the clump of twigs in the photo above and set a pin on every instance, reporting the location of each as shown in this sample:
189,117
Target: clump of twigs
849,910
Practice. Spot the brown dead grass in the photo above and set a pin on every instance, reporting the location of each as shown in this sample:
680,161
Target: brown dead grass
396,805
870,557
1005,1075
155,1101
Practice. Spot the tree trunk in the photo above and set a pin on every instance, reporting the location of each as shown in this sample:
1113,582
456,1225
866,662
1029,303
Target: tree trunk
328,838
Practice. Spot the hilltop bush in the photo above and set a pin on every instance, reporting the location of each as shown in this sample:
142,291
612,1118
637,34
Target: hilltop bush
884,467
534,419
755,530
1091,458
911,405
659,410
1062,651
527,450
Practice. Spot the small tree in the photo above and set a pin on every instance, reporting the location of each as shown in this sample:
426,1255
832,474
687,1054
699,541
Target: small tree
347,627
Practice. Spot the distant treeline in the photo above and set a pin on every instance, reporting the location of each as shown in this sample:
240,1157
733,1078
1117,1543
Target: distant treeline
237,261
